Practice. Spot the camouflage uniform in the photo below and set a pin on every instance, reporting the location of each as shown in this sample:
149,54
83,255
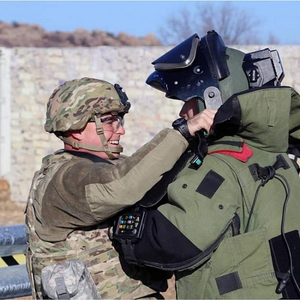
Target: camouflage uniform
72,196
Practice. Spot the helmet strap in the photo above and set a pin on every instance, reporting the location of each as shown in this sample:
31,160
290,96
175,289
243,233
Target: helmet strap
78,145
103,139
104,148
212,97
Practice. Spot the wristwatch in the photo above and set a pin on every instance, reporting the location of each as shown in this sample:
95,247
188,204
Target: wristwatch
181,125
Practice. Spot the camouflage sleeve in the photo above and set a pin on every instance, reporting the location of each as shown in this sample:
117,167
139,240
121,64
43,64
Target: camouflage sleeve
110,189
84,193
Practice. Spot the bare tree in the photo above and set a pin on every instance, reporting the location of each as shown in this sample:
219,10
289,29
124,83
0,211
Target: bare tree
235,26
178,29
273,40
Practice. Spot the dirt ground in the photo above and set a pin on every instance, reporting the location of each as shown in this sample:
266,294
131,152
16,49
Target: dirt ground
12,214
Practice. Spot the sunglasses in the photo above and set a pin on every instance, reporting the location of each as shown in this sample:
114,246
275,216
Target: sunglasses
114,121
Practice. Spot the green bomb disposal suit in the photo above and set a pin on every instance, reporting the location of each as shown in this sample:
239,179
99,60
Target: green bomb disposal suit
205,233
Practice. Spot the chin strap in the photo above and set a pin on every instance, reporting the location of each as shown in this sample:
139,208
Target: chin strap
108,150
104,148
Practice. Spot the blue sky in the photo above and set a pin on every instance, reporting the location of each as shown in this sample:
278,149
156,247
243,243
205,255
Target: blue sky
139,18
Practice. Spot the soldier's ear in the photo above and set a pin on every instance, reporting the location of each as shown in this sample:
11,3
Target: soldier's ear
76,136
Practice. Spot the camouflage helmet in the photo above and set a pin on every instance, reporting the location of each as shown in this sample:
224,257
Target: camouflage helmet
76,102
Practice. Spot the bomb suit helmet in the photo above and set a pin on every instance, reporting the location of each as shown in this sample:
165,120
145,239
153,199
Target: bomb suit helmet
206,69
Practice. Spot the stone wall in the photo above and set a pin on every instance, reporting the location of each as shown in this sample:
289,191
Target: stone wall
29,75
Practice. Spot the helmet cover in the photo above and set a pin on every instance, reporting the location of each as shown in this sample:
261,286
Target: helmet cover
76,102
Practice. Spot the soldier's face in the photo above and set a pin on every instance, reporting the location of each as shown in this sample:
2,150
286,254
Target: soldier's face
112,128
189,109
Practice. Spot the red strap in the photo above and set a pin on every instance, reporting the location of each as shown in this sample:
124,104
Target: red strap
243,155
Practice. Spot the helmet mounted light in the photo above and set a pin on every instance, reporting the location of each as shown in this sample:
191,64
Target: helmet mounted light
123,97
263,68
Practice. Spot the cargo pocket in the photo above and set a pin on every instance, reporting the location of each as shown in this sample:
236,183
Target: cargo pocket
242,268
70,280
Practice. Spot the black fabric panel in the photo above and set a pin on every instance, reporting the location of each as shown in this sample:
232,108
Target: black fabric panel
151,277
228,118
210,184
228,283
281,261
163,243
294,146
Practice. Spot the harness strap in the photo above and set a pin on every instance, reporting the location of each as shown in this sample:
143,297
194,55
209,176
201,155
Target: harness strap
61,289
128,251
267,173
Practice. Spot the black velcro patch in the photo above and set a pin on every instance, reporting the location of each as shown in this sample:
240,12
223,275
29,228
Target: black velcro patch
210,184
228,283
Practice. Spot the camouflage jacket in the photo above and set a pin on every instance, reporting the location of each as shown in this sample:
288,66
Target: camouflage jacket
71,199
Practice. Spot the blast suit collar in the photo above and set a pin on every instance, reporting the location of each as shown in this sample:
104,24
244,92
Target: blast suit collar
261,116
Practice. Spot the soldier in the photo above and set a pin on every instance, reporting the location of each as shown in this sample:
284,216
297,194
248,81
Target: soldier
80,188
230,228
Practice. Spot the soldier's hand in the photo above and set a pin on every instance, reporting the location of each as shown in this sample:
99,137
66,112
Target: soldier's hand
202,120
